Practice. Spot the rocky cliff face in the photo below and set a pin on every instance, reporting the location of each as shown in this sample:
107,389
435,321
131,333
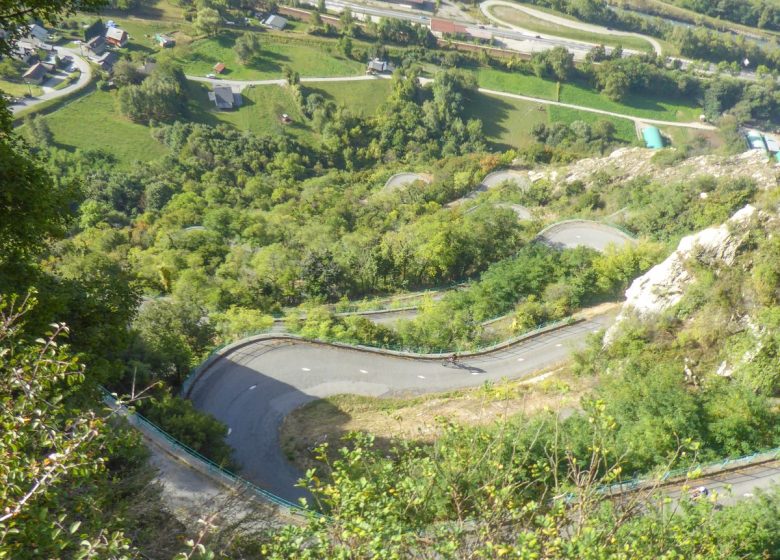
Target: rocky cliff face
629,163
664,285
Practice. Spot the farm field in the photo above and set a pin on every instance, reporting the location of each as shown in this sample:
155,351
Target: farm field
579,94
263,105
261,109
199,58
531,23
92,122
506,122
513,82
635,105
361,97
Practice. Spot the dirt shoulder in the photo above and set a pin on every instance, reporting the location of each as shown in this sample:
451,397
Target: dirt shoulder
420,418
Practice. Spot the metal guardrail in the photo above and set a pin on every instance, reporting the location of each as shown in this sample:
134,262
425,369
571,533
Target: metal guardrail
434,353
216,471
693,472
213,469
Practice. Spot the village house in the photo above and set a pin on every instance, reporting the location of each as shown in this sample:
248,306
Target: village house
35,74
96,45
26,52
224,98
116,37
377,66
107,61
38,33
275,22
444,27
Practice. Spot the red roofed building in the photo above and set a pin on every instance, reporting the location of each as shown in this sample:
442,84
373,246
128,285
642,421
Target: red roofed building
219,67
442,27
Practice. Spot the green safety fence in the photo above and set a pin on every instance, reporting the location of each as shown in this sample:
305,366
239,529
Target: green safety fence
354,306
161,435
694,471
177,446
434,352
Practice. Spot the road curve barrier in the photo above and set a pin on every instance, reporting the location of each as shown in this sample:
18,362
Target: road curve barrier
215,355
693,472
400,180
195,460
596,235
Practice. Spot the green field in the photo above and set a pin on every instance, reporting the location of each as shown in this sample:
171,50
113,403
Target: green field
92,122
635,105
577,94
625,129
507,123
199,58
362,98
514,82
531,23
18,90
262,107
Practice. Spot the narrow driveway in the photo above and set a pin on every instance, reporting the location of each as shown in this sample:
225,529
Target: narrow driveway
241,84
84,79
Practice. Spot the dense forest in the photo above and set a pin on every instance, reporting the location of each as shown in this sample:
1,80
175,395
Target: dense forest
755,13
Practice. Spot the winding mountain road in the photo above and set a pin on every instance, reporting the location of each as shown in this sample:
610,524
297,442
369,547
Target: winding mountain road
584,233
254,384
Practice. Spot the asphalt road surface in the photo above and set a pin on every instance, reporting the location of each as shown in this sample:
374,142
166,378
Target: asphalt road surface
577,233
252,388
402,179
733,486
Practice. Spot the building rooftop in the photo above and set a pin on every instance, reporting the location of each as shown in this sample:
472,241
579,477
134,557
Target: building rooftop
653,138
446,26
277,22
224,98
35,72
116,34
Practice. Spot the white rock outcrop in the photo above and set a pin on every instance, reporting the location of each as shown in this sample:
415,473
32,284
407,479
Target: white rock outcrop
664,285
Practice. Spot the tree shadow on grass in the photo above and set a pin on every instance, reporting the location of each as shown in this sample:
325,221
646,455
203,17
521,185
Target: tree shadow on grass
138,48
325,94
299,444
643,102
492,112
269,62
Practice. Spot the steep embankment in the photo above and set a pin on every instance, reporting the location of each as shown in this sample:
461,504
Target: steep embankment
664,285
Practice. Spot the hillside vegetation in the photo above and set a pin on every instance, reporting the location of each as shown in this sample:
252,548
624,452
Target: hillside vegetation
140,229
